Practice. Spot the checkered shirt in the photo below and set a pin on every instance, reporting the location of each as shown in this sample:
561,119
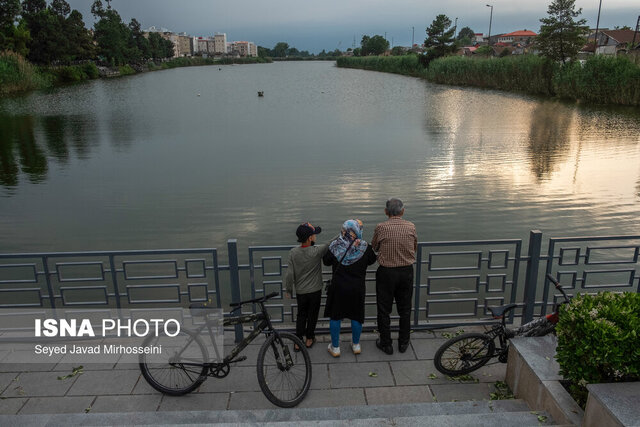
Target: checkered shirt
395,241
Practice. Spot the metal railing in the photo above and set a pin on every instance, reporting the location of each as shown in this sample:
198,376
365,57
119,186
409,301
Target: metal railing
454,281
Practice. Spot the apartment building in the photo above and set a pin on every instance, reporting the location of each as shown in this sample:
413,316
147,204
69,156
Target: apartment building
244,48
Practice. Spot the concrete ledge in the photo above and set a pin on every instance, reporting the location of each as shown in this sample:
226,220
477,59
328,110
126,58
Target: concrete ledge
532,375
613,404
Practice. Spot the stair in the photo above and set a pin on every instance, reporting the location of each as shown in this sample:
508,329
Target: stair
503,413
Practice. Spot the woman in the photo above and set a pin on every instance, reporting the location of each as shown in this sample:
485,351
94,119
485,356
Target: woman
349,255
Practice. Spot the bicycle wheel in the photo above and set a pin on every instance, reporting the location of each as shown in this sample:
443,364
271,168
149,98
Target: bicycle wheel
284,375
180,368
464,354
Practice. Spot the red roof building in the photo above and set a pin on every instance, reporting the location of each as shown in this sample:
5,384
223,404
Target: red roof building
523,37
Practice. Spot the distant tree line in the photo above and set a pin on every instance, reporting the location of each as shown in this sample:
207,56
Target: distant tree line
283,50
54,33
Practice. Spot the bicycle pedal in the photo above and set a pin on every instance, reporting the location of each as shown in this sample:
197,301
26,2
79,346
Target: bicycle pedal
239,359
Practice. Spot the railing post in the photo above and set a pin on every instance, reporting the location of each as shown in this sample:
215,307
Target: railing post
234,282
535,246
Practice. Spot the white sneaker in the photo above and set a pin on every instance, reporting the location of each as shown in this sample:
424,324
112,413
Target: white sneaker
334,351
356,348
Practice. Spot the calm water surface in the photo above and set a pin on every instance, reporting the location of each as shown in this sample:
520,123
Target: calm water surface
143,162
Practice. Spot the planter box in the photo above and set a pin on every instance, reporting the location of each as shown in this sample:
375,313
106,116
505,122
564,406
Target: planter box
533,375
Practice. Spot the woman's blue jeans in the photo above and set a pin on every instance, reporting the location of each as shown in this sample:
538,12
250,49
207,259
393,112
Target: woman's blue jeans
334,327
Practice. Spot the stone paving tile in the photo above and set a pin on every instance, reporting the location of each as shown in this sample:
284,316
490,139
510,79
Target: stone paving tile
320,377
398,394
491,373
250,399
105,383
12,406
332,398
371,353
242,378
30,384
18,361
143,387
142,403
351,375
6,379
456,392
57,405
417,372
195,402
426,348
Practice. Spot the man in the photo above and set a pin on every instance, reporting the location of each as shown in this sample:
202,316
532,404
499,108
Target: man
395,241
304,275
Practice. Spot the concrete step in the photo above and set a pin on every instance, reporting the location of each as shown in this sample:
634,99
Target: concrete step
482,413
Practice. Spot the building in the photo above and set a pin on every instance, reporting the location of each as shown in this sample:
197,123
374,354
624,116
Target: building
478,38
610,42
523,37
244,49
220,43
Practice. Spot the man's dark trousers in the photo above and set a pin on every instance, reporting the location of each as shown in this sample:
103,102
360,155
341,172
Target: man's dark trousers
308,310
394,283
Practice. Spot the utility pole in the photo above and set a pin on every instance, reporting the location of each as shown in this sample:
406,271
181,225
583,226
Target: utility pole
491,19
633,43
413,33
455,28
595,44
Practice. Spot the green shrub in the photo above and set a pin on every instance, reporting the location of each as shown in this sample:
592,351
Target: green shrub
126,70
90,70
599,340
69,74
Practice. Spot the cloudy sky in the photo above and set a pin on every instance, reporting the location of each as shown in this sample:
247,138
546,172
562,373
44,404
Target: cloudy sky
331,24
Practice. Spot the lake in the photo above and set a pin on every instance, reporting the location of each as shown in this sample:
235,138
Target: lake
191,157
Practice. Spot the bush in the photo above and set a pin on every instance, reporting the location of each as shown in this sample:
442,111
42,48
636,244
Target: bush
91,70
599,340
126,70
18,75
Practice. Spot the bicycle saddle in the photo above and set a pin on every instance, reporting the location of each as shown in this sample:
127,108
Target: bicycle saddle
501,310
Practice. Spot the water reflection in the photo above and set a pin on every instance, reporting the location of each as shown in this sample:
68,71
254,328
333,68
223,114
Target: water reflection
18,147
27,145
549,135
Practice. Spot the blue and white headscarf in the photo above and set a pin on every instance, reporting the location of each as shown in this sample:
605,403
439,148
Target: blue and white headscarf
351,232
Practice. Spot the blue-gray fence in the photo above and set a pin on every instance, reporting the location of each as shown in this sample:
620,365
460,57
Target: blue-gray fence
455,281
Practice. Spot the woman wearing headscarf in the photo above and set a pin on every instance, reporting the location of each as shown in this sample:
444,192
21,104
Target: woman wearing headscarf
349,255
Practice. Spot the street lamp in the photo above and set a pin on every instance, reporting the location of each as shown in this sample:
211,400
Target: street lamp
490,19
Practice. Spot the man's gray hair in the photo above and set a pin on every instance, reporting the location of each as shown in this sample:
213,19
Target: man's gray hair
394,206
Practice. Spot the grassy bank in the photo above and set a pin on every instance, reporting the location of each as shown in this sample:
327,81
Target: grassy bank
19,75
601,80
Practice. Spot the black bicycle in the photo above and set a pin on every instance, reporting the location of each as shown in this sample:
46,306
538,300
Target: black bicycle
468,352
284,365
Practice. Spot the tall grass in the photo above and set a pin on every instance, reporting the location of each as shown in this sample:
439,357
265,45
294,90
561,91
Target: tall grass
600,80
17,74
526,73
407,65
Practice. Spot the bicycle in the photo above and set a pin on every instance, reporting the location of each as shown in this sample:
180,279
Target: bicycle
468,352
283,365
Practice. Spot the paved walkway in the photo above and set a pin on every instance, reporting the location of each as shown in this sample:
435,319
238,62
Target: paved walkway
371,378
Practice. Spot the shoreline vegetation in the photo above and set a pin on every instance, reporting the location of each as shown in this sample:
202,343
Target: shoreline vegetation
599,80
17,75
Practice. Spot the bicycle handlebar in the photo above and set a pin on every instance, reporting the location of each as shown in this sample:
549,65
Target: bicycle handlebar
255,300
558,286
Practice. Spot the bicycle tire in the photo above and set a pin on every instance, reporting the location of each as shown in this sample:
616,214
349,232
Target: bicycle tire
163,373
273,378
454,357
